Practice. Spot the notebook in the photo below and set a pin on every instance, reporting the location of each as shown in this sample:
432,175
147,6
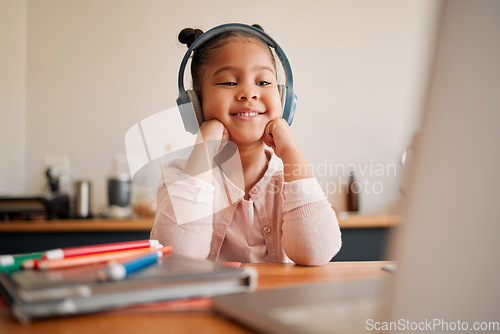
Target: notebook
33,294
447,247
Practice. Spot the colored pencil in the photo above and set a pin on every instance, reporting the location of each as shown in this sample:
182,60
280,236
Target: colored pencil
62,253
11,268
231,264
14,259
119,270
89,259
166,249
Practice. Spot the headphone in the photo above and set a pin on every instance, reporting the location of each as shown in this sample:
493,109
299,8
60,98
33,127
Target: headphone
188,101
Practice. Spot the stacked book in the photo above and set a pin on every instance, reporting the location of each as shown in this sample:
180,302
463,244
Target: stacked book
84,280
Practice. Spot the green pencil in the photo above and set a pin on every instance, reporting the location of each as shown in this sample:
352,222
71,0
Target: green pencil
14,262
11,268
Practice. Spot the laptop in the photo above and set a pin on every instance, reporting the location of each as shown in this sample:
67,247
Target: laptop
448,245
321,308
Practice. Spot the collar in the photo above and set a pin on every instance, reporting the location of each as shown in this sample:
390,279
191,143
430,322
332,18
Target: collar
235,193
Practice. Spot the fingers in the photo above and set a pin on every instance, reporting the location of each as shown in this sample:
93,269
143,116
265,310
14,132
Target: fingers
214,130
278,136
276,128
268,134
215,135
225,134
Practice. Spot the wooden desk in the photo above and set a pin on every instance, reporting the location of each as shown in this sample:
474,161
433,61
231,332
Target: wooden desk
270,276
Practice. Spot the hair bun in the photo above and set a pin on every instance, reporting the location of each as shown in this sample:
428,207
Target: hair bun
189,35
258,26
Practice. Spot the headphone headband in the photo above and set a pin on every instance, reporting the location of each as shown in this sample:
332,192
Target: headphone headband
289,98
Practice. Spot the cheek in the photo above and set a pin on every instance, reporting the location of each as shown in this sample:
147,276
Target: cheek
276,107
213,105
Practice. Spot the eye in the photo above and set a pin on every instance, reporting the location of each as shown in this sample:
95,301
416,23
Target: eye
263,83
227,83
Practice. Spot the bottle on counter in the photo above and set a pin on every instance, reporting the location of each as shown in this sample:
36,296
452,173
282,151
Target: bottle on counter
82,207
353,190
119,189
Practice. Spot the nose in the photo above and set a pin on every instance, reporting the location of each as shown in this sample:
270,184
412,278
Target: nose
248,92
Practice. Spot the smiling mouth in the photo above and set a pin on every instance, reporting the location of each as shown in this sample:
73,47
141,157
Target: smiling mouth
247,113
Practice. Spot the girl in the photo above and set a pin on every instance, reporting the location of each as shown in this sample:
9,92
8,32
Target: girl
276,211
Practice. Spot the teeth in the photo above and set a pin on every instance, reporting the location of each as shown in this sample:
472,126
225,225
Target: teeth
247,114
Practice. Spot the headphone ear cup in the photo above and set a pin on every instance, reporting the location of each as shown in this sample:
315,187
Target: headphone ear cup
193,97
282,90
288,114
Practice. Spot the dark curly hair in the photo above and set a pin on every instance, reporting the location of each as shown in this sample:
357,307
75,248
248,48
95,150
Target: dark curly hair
203,54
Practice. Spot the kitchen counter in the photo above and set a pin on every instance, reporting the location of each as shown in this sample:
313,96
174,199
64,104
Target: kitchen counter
349,221
363,236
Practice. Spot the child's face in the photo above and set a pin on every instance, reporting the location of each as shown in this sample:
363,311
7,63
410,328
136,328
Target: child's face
239,89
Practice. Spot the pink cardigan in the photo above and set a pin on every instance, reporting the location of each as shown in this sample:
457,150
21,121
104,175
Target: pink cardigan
193,217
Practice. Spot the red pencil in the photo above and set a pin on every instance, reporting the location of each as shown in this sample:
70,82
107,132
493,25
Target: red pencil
96,258
62,253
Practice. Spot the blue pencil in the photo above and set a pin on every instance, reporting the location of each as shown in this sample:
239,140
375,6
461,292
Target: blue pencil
118,271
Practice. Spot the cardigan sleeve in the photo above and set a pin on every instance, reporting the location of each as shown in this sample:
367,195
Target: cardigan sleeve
184,214
311,233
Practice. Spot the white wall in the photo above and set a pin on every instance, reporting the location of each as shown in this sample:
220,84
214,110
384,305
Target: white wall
12,96
96,67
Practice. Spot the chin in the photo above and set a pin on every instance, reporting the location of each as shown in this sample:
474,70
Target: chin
247,140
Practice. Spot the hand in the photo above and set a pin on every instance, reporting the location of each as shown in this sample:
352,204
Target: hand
215,135
214,130
210,141
279,137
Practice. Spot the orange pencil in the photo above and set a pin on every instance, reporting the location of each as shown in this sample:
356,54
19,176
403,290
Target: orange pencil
91,258
164,250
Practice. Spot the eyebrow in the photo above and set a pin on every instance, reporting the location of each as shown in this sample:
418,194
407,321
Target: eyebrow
233,68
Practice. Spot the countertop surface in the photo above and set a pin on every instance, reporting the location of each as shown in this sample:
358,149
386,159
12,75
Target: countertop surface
350,220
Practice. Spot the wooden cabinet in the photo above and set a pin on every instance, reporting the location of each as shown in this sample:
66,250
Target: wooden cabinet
37,235
364,236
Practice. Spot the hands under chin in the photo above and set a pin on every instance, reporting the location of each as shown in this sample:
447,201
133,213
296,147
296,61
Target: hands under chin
210,141
279,137
213,131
